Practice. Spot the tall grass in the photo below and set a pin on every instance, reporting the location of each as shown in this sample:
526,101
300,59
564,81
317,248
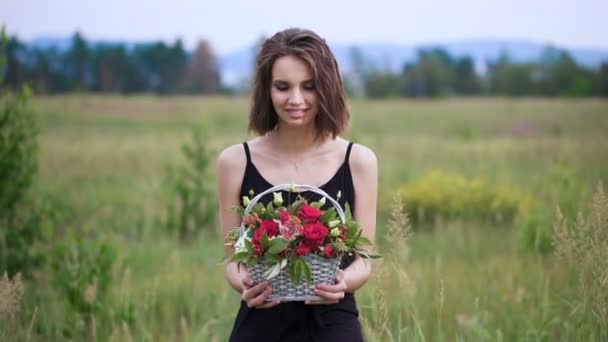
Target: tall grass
103,161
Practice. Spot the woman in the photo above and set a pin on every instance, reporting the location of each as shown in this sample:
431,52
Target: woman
299,110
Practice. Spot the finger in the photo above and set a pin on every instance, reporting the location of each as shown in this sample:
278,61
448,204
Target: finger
247,281
339,287
254,291
268,305
329,295
339,276
320,302
259,300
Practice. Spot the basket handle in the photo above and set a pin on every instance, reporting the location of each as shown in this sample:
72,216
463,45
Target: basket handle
292,187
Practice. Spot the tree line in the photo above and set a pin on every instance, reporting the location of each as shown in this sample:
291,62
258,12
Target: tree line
436,73
154,67
161,68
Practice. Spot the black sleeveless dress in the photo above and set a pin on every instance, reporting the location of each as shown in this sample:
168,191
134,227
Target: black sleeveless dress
295,321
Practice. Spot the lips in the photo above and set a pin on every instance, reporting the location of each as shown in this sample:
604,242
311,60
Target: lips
296,113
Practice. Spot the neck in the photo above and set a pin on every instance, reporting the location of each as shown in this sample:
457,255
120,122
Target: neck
296,141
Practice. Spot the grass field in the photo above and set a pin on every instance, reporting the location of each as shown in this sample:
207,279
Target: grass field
103,160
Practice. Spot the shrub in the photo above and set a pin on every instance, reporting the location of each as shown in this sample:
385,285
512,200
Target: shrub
18,167
191,207
82,273
442,195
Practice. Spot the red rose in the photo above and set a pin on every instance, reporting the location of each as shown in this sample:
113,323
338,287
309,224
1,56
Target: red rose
270,226
302,250
314,234
309,213
284,215
328,251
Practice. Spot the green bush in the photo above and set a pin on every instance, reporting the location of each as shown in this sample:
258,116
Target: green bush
18,167
443,195
82,274
191,207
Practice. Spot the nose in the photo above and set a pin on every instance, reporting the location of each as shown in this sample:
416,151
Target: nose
296,97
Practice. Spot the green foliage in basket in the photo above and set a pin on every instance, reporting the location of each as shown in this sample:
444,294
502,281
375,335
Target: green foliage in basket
279,236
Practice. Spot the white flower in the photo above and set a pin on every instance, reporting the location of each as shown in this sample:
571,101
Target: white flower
335,232
334,223
278,198
246,200
239,246
322,201
339,195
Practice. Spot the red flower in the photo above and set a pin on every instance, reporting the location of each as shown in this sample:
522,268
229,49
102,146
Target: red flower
284,215
270,226
302,250
314,234
328,251
309,213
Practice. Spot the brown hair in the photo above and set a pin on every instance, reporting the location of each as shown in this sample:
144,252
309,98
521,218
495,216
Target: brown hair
333,114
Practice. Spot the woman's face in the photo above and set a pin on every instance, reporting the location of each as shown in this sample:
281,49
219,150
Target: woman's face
293,92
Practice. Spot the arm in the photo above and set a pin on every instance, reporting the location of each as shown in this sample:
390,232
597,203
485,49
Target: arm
230,168
364,167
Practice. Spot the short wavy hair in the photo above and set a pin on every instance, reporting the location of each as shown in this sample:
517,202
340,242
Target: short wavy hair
332,118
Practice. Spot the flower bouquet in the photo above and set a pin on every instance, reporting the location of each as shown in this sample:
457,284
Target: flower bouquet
297,246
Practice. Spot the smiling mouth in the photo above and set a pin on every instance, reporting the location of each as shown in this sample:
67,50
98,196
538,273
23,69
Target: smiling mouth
296,112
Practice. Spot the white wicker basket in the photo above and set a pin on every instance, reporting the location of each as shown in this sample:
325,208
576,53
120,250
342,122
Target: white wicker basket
323,270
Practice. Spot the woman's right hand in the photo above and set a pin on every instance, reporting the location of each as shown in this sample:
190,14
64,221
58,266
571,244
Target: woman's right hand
255,294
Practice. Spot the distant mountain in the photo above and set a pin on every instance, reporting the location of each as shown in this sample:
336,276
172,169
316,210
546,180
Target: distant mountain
236,67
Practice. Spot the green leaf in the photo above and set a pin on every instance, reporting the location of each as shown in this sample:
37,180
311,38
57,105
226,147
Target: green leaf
272,258
249,246
307,273
273,271
277,245
293,208
328,215
264,241
270,209
347,212
292,270
364,241
240,257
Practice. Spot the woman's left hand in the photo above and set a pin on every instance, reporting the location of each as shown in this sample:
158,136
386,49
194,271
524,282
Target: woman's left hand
332,294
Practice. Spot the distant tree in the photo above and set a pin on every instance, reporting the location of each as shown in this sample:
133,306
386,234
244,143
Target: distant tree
203,75
379,85
431,75
78,64
15,71
558,74
600,84
466,81
161,67
112,68
506,78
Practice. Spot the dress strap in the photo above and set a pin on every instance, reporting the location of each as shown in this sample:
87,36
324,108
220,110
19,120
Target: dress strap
350,145
247,153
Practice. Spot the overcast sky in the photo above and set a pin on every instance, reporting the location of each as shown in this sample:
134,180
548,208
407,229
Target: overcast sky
231,25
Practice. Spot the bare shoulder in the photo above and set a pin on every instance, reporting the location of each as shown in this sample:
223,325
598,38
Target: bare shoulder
363,159
232,156
231,162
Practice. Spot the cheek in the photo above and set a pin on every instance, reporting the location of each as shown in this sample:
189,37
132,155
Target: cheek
277,97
